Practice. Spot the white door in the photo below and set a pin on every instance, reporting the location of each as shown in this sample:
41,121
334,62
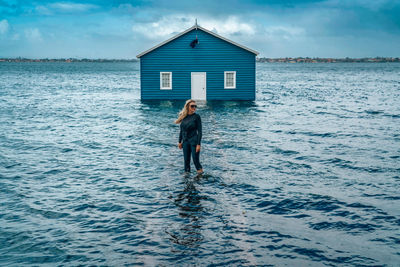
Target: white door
199,86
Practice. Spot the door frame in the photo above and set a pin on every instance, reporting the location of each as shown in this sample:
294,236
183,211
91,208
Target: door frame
205,84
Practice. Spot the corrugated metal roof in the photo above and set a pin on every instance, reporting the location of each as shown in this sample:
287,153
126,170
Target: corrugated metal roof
191,29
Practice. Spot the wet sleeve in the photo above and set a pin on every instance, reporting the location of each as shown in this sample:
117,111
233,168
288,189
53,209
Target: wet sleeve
180,133
199,130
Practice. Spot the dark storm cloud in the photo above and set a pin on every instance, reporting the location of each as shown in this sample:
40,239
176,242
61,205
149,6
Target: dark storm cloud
319,17
358,19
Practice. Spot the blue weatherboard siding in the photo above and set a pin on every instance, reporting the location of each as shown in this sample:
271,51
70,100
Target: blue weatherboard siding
211,55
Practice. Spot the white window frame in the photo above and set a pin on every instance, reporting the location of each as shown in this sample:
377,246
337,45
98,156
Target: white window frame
170,81
234,80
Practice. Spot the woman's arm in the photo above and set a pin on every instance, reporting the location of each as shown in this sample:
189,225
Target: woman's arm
180,137
199,130
180,134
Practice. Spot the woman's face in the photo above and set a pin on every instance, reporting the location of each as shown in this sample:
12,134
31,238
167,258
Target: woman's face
192,107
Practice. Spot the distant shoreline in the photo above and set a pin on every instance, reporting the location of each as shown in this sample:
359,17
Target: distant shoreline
260,60
328,60
66,60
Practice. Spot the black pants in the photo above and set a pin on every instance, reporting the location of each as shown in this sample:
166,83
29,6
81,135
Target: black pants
189,149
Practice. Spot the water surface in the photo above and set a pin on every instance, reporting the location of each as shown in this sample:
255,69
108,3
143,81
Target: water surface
308,174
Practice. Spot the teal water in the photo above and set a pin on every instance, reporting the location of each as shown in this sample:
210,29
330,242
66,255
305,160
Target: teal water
306,175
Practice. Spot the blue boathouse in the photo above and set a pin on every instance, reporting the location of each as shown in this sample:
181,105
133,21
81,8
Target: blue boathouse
198,64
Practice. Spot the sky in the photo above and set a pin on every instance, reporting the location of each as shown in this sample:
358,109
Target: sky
275,28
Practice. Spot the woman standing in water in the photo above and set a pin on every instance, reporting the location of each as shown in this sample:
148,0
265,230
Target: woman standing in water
190,135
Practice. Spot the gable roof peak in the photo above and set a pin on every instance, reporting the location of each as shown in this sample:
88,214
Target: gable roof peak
196,26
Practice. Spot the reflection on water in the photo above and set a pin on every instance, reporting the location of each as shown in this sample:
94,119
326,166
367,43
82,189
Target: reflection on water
307,174
188,203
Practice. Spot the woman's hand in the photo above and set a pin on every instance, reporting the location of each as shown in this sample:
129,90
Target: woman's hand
180,145
197,148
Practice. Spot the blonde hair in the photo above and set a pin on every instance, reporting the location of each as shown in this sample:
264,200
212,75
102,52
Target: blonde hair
184,112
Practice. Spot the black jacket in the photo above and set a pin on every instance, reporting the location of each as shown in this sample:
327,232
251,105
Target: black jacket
190,129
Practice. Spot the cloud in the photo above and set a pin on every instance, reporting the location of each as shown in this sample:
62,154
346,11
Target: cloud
231,26
72,7
64,7
44,10
7,8
162,28
173,24
15,37
273,27
4,26
33,35
285,32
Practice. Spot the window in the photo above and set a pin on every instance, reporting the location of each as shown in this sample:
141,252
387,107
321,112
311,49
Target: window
165,80
230,79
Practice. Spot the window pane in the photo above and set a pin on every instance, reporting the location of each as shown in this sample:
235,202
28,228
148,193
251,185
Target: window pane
229,79
165,80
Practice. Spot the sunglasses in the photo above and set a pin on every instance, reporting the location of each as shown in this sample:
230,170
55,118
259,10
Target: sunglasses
193,106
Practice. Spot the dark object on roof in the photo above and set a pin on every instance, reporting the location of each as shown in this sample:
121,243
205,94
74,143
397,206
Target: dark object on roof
194,43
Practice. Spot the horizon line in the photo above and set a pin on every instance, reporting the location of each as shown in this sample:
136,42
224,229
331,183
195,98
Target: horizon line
134,59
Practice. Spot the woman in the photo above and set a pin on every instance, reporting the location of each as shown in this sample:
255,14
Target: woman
190,135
